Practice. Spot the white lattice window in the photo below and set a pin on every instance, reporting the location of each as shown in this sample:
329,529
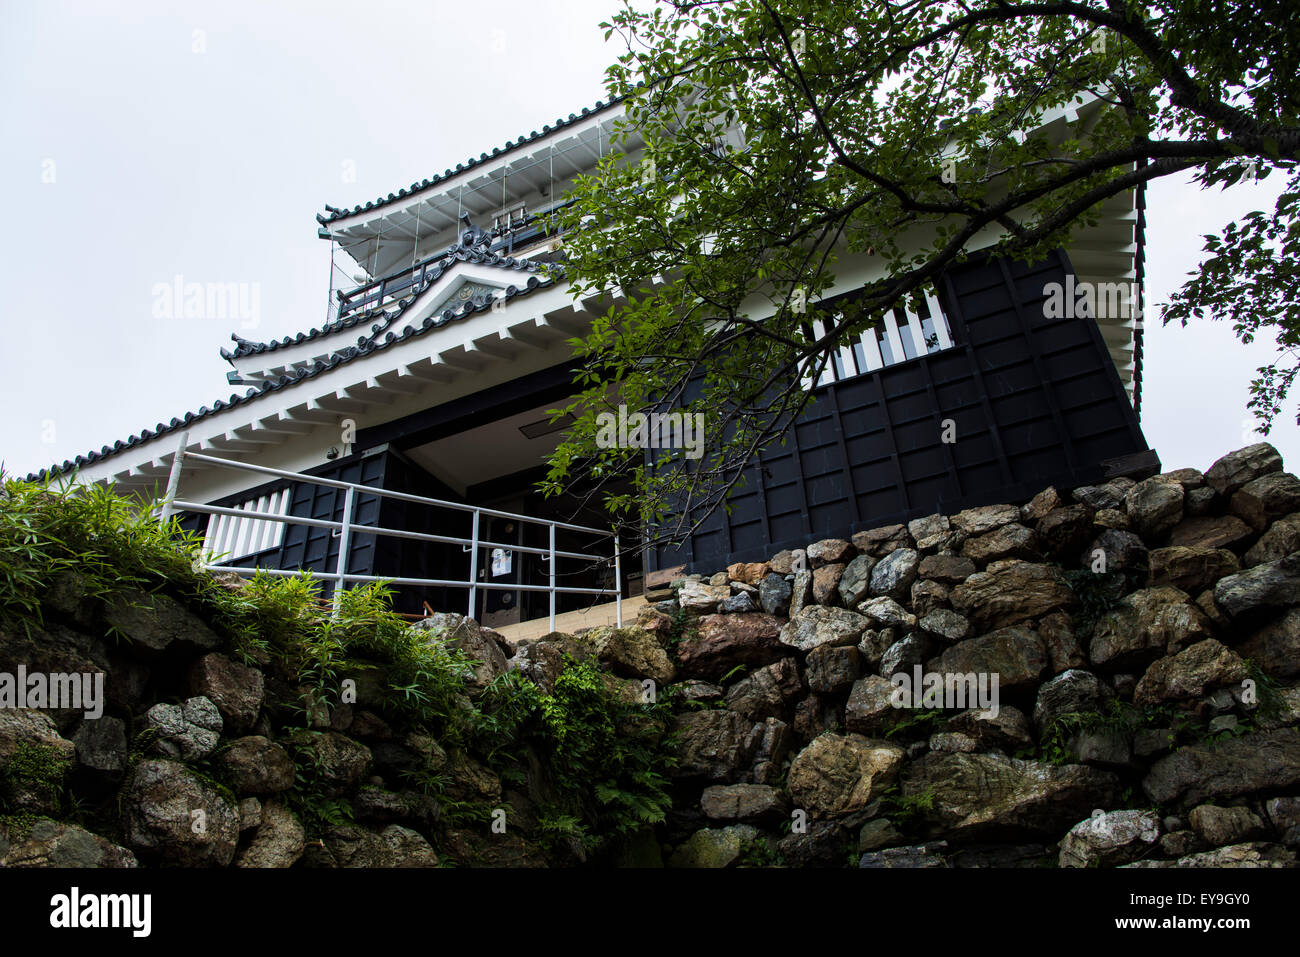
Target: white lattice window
907,332
232,537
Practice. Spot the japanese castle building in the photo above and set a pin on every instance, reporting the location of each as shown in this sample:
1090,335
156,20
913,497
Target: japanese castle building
446,344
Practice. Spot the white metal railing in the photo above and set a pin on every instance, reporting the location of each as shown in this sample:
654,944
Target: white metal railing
907,332
347,527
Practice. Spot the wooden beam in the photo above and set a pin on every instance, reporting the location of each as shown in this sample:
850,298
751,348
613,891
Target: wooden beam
339,403
280,424
464,359
257,435
527,334
311,412
402,382
430,370
494,346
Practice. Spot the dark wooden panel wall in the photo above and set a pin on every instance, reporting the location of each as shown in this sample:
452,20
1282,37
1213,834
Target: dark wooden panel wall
1034,401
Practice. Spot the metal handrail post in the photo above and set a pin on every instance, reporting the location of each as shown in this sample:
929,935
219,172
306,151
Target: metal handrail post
618,584
173,479
345,546
550,563
473,564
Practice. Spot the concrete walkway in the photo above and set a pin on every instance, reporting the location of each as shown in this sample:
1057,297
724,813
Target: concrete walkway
571,621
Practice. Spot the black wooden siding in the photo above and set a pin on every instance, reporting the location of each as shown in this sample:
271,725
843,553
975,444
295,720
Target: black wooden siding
1035,402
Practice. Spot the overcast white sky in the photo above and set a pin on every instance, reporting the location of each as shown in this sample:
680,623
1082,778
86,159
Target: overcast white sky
200,139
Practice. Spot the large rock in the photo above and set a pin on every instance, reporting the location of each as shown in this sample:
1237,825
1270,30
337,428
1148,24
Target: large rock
1057,632
948,569
101,746
929,531
47,843
829,551
152,623
1072,692
1218,826
701,598
1211,531
894,574
1007,731
1242,466
766,692
715,745
482,645
818,625
946,625
1063,532
785,562
988,796
713,847
1282,538
856,580
1040,505
1107,496
394,846
826,584
985,518
257,765
1258,589
1154,507
1110,838
774,746
235,689
881,541
25,729
739,603
751,803
774,594
1275,648
800,593
749,573
632,653
884,612
1191,569
338,762
928,596
832,668
1189,674
278,841
1012,540
173,815
1015,655
1268,497
871,709
470,781
1010,592
189,731
1196,773
1144,626
723,642
541,662
55,649
1115,550
839,774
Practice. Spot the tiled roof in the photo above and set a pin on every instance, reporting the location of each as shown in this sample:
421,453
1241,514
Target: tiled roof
384,319
366,345
333,213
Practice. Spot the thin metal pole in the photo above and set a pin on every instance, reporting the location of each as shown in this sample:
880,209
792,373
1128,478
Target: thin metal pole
473,564
551,570
173,479
618,583
345,545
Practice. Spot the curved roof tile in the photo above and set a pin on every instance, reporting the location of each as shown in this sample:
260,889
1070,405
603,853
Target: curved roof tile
334,213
